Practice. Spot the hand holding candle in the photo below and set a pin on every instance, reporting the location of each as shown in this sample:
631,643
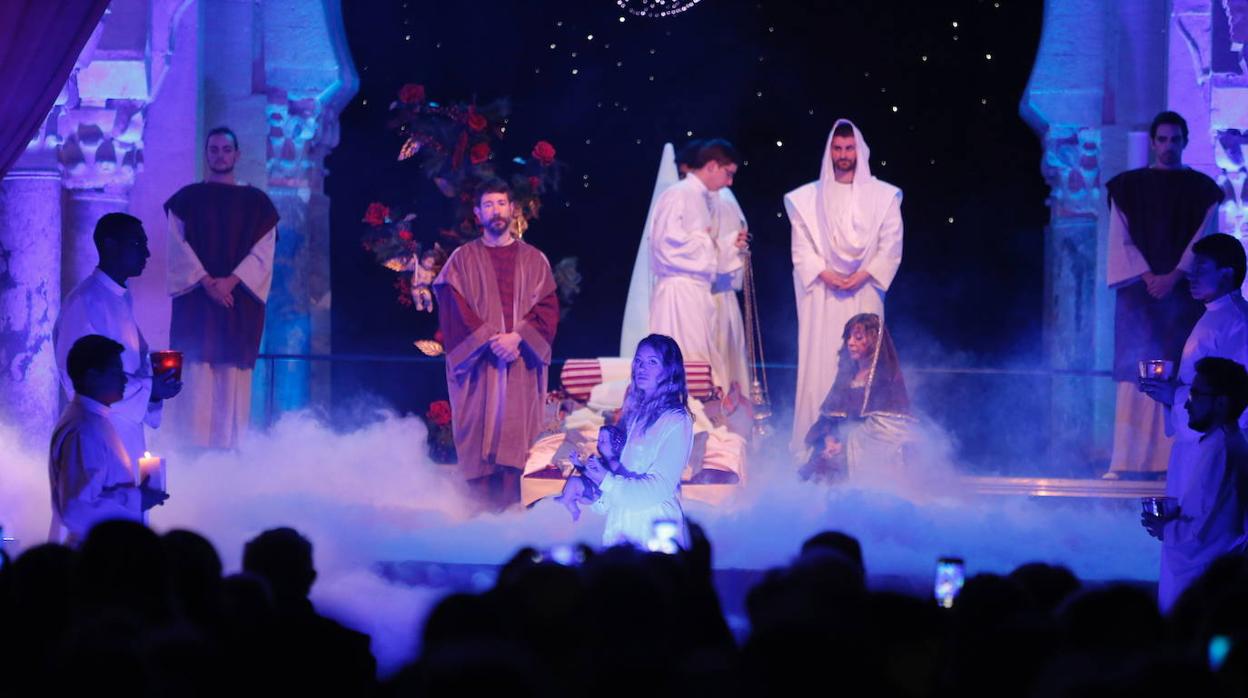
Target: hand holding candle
152,469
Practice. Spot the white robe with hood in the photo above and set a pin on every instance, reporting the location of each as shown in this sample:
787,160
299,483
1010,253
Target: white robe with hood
868,237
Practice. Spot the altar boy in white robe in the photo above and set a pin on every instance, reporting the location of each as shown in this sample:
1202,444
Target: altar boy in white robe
685,256
1211,518
846,247
90,474
102,305
1217,271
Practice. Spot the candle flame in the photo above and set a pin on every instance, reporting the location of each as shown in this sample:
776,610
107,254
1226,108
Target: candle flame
147,454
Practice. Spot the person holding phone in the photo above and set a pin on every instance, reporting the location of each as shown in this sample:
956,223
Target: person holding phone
657,420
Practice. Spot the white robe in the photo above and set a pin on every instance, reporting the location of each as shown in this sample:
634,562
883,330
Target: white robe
91,477
1213,513
648,492
641,287
217,404
867,237
730,335
100,306
684,259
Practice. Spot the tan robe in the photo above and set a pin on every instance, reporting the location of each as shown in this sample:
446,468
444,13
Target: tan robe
496,408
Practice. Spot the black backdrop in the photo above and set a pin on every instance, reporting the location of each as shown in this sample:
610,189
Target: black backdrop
934,86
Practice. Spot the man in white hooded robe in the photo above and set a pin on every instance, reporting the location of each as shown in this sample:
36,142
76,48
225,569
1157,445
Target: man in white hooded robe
847,240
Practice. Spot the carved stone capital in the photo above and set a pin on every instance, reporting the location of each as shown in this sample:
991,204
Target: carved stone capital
1072,168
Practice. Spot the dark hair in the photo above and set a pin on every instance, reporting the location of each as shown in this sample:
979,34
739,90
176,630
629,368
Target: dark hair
492,185
113,226
616,436
283,557
672,393
842,543
1168,117
843,129
870,324
717,149
1227,378
688,152
222,131
90,352
1226,252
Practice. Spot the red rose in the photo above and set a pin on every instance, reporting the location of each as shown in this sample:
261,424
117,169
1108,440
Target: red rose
439,413
376,215
405,234
412,93
479,153
544,152
476,122
535,183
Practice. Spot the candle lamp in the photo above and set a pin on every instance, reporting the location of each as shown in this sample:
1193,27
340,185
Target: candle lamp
1156,369
166,360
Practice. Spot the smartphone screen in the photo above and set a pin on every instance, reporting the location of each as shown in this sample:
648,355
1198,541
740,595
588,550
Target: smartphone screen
950,575
664,537
1219,648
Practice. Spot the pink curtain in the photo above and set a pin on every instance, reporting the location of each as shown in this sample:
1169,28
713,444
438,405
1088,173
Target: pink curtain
39,42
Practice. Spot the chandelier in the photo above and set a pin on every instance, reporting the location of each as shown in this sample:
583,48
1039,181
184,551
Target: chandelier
655,8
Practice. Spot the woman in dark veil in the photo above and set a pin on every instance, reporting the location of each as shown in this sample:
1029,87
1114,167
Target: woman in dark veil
865,420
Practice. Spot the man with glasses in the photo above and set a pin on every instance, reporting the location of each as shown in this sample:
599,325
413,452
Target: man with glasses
91,476
102,305
1211,516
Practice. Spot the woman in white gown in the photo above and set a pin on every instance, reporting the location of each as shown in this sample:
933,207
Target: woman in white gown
660,437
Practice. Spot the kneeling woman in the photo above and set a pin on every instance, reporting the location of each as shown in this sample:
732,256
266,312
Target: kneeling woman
660,437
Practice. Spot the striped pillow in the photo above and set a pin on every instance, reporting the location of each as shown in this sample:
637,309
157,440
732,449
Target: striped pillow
579,376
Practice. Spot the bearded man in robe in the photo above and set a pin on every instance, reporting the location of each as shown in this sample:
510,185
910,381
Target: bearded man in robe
498,312
847,240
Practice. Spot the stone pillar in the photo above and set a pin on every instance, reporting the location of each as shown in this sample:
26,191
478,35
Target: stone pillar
1064,103
309,78
30,297
101,131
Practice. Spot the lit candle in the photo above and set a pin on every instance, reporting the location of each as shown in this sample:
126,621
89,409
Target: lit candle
154,467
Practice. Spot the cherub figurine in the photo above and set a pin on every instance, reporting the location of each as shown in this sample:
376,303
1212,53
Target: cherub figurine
422,280
579,490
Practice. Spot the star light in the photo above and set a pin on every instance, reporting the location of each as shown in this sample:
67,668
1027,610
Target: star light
589,37
894,108
988,56
779,144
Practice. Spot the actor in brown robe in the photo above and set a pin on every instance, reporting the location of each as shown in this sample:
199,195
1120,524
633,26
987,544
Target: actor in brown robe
498,311
222,238
1156,214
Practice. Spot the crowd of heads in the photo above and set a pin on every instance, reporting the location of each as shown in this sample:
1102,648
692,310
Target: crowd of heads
157,615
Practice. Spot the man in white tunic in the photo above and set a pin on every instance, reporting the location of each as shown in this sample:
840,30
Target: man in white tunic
1216,274
847,234
102,305
222,238
685,256
90,474
1211,518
